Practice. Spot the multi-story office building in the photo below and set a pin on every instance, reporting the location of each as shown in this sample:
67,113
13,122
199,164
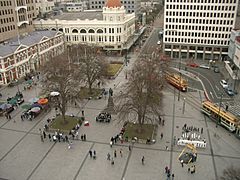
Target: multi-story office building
198,29
16,18
43,7
129,5
25,54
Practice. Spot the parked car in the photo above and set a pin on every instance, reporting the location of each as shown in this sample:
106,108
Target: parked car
103,117
204,66
229,91
224,84
192,65
216,70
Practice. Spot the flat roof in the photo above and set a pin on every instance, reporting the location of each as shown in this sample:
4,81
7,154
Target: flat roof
91,15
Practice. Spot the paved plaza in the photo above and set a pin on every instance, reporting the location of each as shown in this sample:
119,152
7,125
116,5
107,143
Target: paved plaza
23,155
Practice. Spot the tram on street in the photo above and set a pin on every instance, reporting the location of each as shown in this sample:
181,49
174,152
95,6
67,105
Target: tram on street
218,114
177,81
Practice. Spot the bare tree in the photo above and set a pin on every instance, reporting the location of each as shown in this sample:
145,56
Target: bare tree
231,173
61,76
142,94
91,62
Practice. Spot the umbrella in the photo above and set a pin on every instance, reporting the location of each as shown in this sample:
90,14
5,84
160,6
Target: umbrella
26,106
54,93
5,106
35,109
43,96
42,101
13,101
36,105
33,100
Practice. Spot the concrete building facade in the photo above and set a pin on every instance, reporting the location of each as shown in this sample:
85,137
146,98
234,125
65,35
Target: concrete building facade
131,6
198,29
109,29
16,17
21,56
43,7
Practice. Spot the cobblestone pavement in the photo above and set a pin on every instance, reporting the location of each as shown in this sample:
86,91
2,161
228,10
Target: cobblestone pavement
24,156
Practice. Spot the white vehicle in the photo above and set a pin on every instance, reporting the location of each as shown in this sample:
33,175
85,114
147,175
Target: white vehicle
159,42
224,84
204,66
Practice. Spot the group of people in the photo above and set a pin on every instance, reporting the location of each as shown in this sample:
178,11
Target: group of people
111,159
92,154
117,137
186,128
168,172
28,115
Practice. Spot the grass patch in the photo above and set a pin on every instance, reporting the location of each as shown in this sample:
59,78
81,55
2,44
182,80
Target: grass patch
113,69
84,93
58,123
132,130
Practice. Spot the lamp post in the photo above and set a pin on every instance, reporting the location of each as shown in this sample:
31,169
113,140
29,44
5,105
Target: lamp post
183,105
219,109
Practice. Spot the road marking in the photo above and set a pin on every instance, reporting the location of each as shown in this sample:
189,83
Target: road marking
217,88
211,94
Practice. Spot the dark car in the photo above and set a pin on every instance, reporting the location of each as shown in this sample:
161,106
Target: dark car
103,117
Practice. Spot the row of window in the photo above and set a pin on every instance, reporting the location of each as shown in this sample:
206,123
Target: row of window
84,38
172,28
197,41
5,3
103,2
6,11
199,34
230,7
202,1
201,14
91,31
199,21
6,20
7,28
99,7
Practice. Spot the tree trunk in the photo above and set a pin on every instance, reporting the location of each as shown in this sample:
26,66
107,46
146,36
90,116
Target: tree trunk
90,87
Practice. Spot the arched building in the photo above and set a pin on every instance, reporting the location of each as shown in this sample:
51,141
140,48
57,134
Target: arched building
110,28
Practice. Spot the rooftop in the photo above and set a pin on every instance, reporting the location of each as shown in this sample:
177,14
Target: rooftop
32,38
113,3
91,15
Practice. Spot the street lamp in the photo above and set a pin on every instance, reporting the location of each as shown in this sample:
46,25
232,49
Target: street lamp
219,109
183,105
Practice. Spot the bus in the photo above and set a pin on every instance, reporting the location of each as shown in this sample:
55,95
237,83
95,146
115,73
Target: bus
225,118
177,81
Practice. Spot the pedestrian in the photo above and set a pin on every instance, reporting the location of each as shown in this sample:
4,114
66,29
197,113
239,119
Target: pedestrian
121,153
6,115
194,168
49,137
181,162
226,107
161,135
112,161
44,135
83,113
129,148
172,176
201,130
167,148
174,140
75,103
111,143
163,121
94,154
81,137
90,153
22,118
41,137
108,156
188,169
143,159
9,116
66,138
70,145
166,169
115,153
84,137
159,119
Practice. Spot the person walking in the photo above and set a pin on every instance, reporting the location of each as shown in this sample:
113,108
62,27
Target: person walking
161,135
94,154
166,169
90,153
83,113
173,176
129,148
181,162
143,159
108,156
49,137
112,161
121,153
44,135
163,121
115,153
41,137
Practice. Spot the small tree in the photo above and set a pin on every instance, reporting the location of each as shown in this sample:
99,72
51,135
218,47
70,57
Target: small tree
62,76
231,173
91,62
142,94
